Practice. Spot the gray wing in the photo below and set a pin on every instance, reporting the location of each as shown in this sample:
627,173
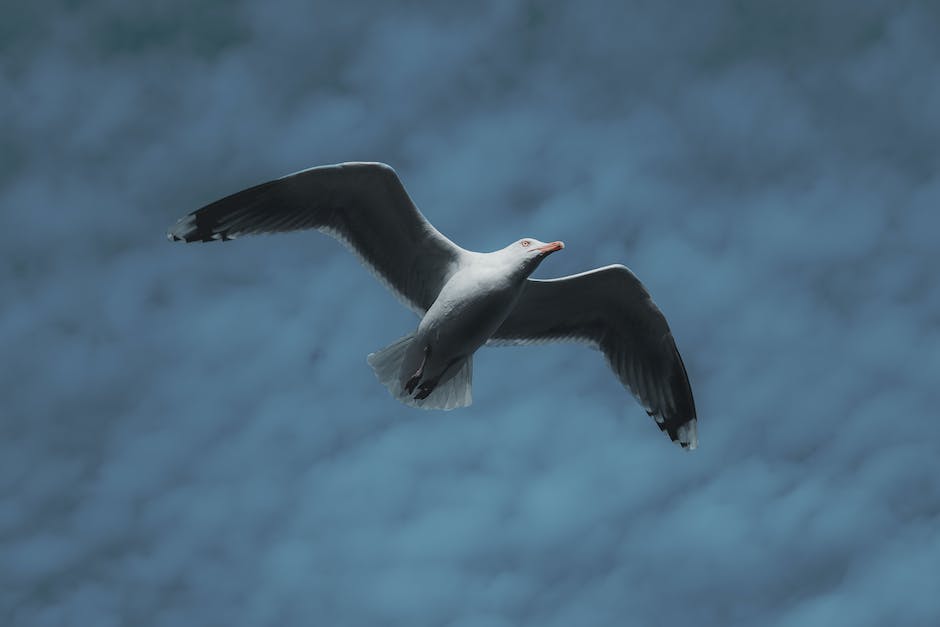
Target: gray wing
609,309
363,205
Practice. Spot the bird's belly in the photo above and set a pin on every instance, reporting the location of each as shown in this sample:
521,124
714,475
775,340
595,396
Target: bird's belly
456,327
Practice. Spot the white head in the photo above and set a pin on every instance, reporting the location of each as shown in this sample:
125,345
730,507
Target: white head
528,253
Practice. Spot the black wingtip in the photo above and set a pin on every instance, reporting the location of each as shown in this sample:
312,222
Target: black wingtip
188,229
685,435
184,230
682,432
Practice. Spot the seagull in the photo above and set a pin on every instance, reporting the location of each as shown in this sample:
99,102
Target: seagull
465,299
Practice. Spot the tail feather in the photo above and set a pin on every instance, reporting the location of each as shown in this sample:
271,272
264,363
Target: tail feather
451,394
387,362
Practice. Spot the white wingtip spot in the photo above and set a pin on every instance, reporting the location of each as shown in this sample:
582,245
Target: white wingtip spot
182,228
688,435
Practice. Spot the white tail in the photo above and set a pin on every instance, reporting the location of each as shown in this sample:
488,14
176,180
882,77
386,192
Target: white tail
450,394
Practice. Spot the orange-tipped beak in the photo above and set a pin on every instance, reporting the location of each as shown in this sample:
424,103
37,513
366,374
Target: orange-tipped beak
550,248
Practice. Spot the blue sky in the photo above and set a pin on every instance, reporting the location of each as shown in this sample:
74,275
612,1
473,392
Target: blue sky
190,435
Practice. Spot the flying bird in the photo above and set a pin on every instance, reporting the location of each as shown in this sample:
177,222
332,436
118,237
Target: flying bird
465,299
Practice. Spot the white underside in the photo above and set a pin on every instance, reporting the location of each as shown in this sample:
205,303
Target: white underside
451,394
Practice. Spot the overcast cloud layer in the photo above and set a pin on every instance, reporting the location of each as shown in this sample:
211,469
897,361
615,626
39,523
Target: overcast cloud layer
190,435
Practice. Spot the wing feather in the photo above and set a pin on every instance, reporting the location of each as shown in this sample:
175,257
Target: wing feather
610,309
363,205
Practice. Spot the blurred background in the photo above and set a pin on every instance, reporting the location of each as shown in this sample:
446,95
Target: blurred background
190,435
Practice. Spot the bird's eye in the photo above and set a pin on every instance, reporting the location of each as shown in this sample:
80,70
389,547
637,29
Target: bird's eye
526,242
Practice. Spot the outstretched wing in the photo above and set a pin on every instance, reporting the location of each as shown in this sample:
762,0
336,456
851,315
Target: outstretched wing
610,309
363,205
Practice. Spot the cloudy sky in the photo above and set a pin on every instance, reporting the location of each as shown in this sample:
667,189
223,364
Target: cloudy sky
190,435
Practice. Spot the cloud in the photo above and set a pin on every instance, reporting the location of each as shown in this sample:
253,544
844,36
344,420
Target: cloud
190,435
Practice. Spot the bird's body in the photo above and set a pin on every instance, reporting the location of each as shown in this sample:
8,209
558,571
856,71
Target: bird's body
469,309
465,299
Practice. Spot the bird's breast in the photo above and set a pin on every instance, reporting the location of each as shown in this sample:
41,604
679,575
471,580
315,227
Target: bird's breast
467,312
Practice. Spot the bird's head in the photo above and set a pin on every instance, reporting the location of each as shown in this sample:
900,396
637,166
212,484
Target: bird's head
529,252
